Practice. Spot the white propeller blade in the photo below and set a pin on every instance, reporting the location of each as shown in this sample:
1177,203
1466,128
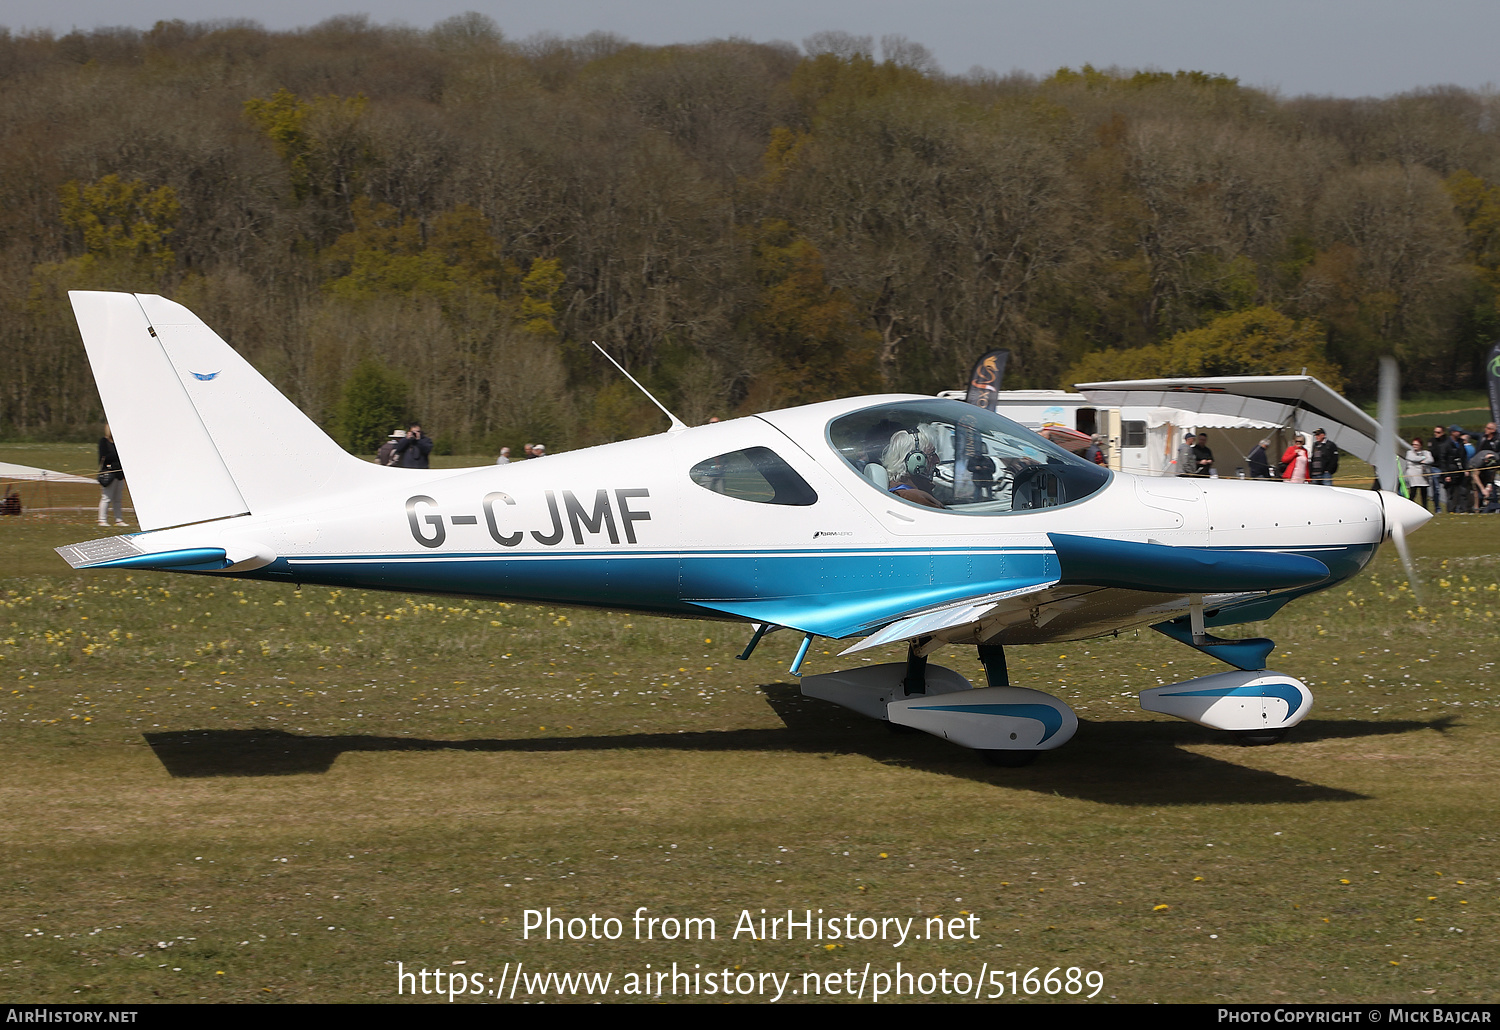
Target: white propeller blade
1398,537
1387,414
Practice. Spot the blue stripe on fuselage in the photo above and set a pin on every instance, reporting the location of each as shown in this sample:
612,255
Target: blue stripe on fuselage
830,592
833,593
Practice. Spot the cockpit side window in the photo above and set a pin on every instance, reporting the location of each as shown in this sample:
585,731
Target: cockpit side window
753,474
961,458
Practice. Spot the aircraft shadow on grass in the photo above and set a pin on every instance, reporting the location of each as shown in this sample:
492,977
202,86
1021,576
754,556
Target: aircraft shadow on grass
1122,763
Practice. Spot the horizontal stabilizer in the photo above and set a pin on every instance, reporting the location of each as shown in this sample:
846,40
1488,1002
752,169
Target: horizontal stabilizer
120,552
183,559
98,552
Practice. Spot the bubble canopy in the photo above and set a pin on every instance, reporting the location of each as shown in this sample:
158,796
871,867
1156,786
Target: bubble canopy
961,458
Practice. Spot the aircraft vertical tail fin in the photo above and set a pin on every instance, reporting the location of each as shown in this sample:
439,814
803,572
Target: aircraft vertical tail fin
201,434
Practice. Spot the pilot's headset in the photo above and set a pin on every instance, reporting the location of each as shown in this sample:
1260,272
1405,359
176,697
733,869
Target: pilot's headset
916,464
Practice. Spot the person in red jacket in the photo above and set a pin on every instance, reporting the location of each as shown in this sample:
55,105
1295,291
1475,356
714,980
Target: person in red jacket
1294,462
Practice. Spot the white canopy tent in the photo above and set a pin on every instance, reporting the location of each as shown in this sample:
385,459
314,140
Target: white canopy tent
26,488
27,474
1302,403
1232,439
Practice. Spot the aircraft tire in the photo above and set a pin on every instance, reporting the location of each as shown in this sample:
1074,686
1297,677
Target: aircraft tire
1008,759
1260,738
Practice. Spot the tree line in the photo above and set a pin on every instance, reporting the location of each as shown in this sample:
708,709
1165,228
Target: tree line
440,222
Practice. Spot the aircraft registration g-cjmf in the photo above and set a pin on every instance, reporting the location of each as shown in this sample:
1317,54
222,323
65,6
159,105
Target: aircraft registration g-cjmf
891,518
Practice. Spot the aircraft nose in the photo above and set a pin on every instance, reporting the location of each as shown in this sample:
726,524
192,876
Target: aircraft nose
1399,511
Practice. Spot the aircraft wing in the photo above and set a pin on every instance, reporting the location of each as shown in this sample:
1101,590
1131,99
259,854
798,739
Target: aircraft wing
1099,585
1304,402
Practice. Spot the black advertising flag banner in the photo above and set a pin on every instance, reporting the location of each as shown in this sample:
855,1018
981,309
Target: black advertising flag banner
984,381
1492,380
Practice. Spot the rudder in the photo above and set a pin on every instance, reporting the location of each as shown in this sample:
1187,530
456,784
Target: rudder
201,433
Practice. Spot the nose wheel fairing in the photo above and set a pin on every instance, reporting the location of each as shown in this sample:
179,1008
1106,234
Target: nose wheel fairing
1238,702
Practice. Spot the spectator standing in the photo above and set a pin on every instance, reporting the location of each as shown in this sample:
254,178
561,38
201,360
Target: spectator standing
1185,455
387,453
1418,465
1490,441
1259,460
412,452
1439,492
504,458
1203,458
111,480
1452,461
1294,462
1323,461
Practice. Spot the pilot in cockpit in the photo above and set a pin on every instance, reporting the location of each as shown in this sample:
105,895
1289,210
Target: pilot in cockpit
910,462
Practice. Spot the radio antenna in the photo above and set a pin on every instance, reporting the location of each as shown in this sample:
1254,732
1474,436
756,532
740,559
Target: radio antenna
677,424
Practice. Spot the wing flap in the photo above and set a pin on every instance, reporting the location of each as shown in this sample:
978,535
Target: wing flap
967,612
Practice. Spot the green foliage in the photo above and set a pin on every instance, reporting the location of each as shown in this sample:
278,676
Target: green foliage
830,86
386,254
781,153
1258,342
1090,77
304,133
1142,80
538,290
521,199
470,29
122,221
1477,204
373,403
810,328
621,412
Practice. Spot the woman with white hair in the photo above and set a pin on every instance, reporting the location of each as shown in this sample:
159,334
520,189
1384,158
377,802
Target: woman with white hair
910,461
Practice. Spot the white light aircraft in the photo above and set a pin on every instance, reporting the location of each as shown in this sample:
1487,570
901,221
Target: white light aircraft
891,518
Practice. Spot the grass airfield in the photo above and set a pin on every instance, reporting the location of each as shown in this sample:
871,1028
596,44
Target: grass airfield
228,791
